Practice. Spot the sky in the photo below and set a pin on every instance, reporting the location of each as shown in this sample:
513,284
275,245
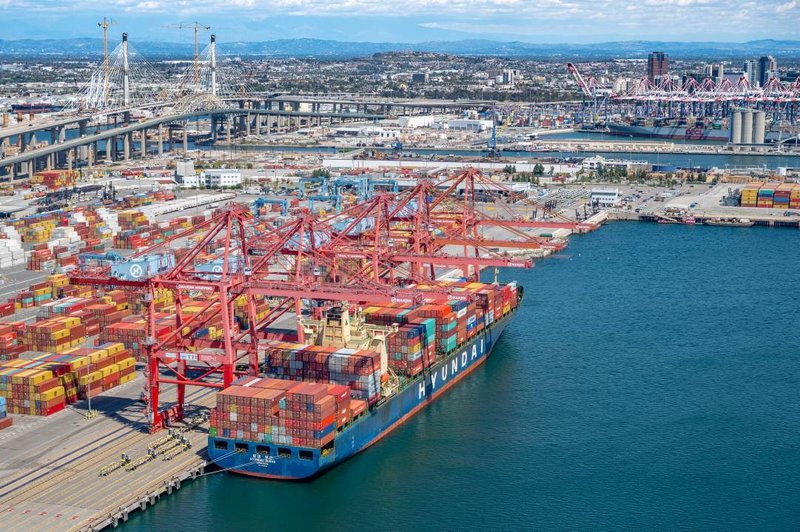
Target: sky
536,21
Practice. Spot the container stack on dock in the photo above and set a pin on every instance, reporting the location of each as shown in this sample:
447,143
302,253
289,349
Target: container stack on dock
781,199
39,294
42,383
55,334
36,229
5,421
11,251
771,195
55,179
283,412
9,334
138,230
750,195
765,194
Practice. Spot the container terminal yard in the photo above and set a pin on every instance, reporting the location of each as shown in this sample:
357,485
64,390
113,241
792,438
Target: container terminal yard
159,323
127,314
84,286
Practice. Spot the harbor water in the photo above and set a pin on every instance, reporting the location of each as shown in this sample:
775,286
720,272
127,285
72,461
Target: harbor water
649,382
682,160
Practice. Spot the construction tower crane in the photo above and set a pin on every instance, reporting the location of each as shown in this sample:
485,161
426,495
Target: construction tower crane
197,27
105,24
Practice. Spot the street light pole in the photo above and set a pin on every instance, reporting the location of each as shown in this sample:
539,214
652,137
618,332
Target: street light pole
89,412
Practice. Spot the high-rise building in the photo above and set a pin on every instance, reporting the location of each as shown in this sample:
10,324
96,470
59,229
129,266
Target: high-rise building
767,68
657,66
751,72
419,77
718,73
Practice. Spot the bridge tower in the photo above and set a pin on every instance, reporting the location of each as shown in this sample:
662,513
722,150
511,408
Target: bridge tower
213,65
126,88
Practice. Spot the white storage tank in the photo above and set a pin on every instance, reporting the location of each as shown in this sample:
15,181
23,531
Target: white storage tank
747,127
736,127
759,127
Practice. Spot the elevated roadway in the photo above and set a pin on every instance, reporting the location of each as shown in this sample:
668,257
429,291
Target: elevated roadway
154,123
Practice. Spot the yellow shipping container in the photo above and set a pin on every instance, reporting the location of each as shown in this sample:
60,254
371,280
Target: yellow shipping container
18,363
81,362
90,378
58,335
115,348
126,363
31,376
127,378
58,391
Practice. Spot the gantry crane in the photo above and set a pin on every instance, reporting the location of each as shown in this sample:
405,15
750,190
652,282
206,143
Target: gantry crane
273,272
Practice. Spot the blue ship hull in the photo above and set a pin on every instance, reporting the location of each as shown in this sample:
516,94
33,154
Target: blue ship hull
269,460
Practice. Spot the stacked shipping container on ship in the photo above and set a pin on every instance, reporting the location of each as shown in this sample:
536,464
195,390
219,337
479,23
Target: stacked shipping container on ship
429,346
412,347
358,369
280,412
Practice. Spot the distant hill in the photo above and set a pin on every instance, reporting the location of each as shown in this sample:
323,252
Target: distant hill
90,47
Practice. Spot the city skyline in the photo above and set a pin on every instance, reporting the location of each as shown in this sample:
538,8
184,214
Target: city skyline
557,21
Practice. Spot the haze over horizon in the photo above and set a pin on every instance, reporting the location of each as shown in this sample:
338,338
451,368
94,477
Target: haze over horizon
545,21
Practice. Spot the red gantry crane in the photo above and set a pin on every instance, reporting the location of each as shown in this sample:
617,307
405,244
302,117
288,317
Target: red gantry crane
239,277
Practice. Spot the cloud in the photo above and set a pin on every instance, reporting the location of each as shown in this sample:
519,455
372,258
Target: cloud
564,20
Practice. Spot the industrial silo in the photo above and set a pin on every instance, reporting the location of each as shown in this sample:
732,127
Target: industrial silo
747,127
759,127
736,127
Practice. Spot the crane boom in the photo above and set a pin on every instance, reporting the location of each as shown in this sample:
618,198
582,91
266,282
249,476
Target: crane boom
579,79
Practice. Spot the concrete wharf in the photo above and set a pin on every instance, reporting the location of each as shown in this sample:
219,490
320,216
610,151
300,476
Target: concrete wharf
51,468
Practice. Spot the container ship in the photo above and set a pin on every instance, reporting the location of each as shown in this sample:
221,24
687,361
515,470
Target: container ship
682,129
33,108
677,130
362,373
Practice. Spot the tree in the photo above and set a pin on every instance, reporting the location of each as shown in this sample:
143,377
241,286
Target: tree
321,172
509,169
